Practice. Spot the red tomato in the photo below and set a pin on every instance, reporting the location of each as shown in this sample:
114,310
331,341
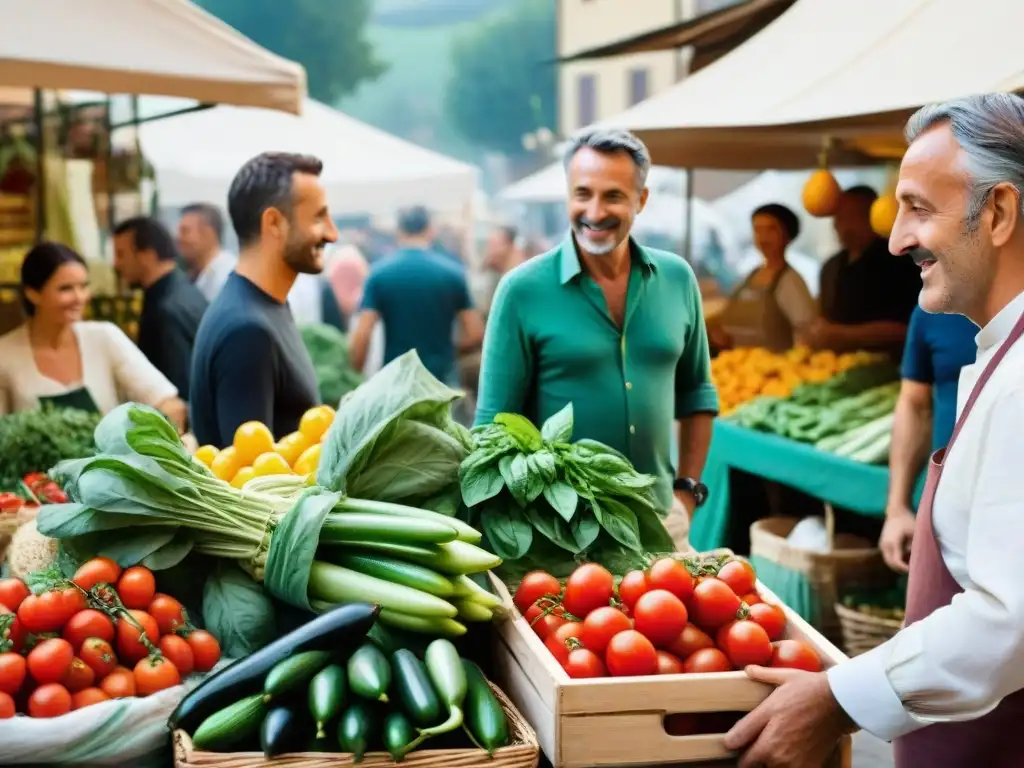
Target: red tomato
558,648
533,587
584,663
739,575
601,625
99,570
589,587
707,660
12,672
771,618
714,603
179,653
155,674
79,676
630,653
793,654
745,642
50,700
99,655
86,624
73,600
12,592
129,647
633,585
6,706
87,698
168,613
543,624
751,598
42,613
16,633
205,649
669,664
659,616
119,684
671,575
690,640
569,629
137,587
49,661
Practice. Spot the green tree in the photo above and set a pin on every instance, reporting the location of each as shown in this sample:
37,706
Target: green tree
503,81
328,37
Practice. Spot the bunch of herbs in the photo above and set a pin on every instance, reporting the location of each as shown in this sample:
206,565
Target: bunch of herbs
35,440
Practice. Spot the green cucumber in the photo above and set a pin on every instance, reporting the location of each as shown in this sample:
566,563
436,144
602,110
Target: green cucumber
449,678
414,691
357,729
369,674
486,722
293,672
281,732
399,735
231,725
410,552
358,526
455,558
465,531
473,611
398,572
428,625
335,584
326,696
467,588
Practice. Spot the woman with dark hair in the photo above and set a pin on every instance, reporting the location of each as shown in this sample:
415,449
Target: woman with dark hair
772,307
57,357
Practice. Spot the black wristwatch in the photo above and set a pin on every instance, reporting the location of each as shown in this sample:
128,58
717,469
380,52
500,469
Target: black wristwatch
695,488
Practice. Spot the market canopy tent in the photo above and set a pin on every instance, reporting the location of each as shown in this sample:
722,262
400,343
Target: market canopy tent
366,171
167,47
845,71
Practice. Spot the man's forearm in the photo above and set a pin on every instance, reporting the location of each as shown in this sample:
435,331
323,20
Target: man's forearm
911,435
694,440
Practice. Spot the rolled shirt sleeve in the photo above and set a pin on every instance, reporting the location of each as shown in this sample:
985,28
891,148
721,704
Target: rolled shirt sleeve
962,660
507,360
135,375
694,391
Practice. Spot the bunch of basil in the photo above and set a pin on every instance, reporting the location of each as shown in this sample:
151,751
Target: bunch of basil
544,501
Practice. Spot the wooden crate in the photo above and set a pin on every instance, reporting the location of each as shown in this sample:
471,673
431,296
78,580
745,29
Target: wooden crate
620,721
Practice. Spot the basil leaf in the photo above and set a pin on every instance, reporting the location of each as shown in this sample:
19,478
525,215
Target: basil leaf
546,464
516,473
507,530
535,479
585,529
520,429
562,498
553,528
558,429
480,484
619,521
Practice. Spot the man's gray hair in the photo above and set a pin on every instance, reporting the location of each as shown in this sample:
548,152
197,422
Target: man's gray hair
990,129
610,141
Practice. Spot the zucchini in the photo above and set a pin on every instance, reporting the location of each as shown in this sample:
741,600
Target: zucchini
358,526
327,696
486,722
428,625
401,551
231,725
369,674
465,531
473,611
399,736
455,558
449,678
357,729
398,572
467,588
281,732
341,631
414,691
292,672
335,584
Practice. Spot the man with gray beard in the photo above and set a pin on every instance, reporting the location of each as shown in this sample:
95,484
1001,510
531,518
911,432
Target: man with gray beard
611,326
249,362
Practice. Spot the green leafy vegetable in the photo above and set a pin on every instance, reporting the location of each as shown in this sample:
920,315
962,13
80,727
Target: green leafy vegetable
35,440
328,349
237,611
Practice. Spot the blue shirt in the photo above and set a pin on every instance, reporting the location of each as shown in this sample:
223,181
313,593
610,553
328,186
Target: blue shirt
418,295
937,347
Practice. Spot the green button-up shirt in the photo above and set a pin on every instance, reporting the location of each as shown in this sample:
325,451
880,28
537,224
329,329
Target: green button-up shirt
551,341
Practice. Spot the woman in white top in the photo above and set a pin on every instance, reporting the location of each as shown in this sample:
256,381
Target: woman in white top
772,308
55,356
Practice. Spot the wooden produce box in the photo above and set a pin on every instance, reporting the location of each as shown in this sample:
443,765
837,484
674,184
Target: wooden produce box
621,721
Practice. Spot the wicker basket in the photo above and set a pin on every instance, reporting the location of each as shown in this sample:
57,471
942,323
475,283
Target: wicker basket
862,631
9,524
851,563
523,752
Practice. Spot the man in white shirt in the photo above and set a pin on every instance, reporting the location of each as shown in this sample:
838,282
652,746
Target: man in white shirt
200,240
949,688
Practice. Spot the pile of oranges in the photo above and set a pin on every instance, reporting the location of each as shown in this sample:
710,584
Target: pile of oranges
254,453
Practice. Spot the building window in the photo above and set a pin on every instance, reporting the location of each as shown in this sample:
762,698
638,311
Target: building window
586,93
637,86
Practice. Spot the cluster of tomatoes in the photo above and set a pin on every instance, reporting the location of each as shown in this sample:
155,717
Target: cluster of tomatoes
105,634
664,620
38,489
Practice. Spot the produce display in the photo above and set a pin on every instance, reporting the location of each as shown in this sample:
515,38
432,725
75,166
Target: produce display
325,688
679,616
106,633
33,441
742,374
541,498
328,349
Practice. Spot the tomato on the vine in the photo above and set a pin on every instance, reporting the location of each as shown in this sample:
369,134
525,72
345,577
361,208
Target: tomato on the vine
744,642
73,600
119,684
86,624
533,587
137,587
12,592
205,649
707,660
558,648
99,655
739,575
179,653
79,676
155,673
541,622
12,672
659,616
690,640
771,618
42,613
49,661
601,625
590,586
129,647
99,570
168,612
87,697
584,663
792,654
633,585
7,709
630,653
669,664
16,633
714,603
50,700
672,576
751,598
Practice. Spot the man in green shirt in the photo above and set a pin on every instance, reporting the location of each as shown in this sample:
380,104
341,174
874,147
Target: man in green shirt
610,326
